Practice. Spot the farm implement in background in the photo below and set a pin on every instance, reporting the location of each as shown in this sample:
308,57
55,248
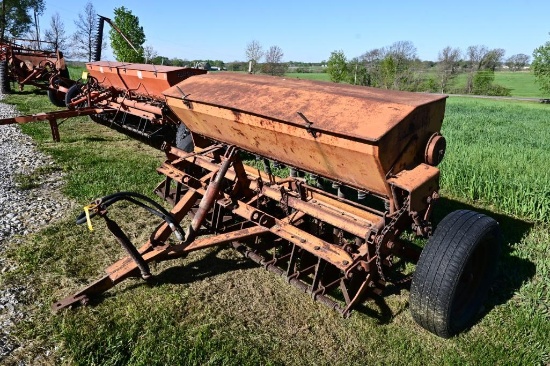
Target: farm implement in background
126,97
123,96
45,70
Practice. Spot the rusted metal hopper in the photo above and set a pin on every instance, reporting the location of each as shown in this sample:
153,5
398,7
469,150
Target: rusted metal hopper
140,79
353,135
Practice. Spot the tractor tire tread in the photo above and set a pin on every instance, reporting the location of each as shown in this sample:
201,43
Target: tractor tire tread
440,266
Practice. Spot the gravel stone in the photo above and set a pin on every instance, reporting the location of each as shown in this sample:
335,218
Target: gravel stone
22,212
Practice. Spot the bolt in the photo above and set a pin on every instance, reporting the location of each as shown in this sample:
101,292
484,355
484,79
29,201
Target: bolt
345,263
85,301
317,247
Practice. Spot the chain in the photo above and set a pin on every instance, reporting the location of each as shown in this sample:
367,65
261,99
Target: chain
284,201
341,238
380,238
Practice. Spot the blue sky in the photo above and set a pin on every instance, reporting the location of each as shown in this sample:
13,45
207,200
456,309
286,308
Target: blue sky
310,30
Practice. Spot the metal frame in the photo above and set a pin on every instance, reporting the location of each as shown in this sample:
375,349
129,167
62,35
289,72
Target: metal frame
39,68
336,250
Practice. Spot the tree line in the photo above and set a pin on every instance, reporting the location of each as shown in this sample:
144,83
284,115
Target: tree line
20,21
398,67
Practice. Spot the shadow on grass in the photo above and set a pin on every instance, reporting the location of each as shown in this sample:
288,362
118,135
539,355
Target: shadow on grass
94,139
512,271
209,265
206,267
15,91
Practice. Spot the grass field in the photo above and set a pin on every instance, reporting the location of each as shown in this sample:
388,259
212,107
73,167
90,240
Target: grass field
522,84
215,308
321,76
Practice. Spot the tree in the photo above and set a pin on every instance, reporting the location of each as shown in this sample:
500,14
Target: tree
357,74
372,60
403,58
337,66
162,60
236,66
129,26
149,53
273,62
254,54
493,59
541,66
388,71
84,39
517,62
392,67
481,58
219,64
56,34
403,51
447,66
178,62
15,19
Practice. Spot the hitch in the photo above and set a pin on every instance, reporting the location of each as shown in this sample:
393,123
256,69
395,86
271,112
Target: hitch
52,118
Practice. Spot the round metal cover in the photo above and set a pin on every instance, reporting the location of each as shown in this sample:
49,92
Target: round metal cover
435,149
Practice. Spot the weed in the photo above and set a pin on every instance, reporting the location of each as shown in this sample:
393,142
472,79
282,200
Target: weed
34,179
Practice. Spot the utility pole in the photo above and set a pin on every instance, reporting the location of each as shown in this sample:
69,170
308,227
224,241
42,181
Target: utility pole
36,27
3,20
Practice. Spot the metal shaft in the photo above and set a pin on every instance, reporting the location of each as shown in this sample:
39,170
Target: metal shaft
209,197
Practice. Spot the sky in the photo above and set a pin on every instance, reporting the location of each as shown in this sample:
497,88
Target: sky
309,31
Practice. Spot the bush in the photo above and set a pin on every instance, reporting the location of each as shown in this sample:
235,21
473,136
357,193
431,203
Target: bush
483,85
499,90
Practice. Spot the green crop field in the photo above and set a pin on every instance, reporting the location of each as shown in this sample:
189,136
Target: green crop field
216,308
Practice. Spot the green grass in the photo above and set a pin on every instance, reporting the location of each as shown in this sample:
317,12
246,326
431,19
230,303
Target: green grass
34,178
214,307
76,72
320,76
497,153
521,83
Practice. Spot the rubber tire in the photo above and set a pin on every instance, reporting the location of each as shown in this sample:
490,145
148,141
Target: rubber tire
184,139
5,87
54,95
72,92
465,244
64,73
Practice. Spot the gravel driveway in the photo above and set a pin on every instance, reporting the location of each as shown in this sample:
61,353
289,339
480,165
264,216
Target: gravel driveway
22,212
